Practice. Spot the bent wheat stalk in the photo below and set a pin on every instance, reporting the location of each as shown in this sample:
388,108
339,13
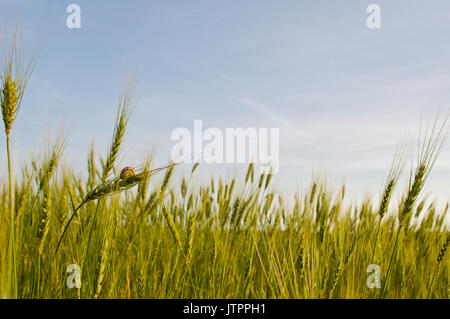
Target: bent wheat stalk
113,186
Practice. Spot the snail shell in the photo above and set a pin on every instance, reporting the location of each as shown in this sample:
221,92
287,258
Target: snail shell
127,172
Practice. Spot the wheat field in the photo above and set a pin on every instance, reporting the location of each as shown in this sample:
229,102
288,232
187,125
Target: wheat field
144,233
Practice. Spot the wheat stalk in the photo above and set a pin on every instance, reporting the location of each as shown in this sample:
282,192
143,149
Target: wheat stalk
14,75
113,186
439,260
101,268
429,148
44,218
391,182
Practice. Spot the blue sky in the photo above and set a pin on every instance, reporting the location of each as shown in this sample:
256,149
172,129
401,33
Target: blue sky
343,95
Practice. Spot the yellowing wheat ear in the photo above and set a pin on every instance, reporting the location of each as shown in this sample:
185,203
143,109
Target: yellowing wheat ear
9,103
14,75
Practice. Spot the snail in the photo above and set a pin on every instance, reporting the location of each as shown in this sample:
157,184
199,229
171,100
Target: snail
127,172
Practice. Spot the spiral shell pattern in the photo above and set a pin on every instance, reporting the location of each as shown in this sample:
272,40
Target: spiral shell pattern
127,172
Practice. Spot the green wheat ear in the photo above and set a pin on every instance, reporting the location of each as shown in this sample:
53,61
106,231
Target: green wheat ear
127,104
114,186
430,146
